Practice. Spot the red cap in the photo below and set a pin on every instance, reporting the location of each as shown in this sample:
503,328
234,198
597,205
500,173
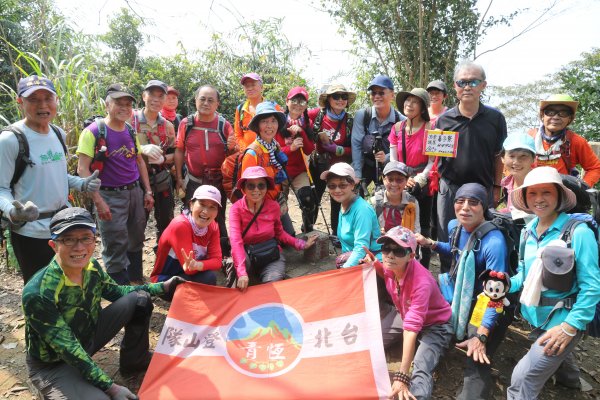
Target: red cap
171,89
295,91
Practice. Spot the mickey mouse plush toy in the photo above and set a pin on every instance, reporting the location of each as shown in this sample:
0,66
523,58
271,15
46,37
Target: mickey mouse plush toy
491,302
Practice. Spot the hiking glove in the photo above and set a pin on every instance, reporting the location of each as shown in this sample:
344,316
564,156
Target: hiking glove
91,183
23,213
117,392
154,153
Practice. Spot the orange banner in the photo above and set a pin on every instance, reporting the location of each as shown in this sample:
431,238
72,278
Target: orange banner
313,337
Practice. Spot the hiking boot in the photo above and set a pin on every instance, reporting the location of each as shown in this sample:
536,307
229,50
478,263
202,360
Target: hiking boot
128,370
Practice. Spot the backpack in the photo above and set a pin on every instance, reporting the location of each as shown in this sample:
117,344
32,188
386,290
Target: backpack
100,147
220,129
566,234
230,170
162,128
23,160
369,141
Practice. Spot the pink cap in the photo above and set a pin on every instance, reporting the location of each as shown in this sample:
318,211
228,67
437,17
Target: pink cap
252,75
401,236
255,173
208,192
340,169
295,91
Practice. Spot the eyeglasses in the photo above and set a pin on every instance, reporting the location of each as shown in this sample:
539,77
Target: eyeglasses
333,186
253,186
472,83
470,202
399,180
398,251
377,93
560,113
338,96
71,242
302,102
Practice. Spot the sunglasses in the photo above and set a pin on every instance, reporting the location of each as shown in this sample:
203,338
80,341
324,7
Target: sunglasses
333,186
560,113
473,83
470,202
259,186
338,96
377,93
299,102
398,251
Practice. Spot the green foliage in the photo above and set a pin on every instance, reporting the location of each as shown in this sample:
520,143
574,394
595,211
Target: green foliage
581,79
520,103
125,38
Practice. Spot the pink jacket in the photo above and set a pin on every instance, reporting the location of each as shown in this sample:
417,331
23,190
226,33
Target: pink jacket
267,226
417,297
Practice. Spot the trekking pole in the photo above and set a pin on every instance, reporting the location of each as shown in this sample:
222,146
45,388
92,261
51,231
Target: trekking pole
312,187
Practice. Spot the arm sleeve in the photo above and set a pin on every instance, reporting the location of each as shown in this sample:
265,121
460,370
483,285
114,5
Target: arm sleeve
445,248
419,305
214,255
362,236
588,277
516,281
235,238
237,129
587,159
417,217
494,251
45,319
180,142
9,147
87,142
358,132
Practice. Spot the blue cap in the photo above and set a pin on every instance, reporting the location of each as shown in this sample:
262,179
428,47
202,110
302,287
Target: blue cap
520,141
381,81
34,83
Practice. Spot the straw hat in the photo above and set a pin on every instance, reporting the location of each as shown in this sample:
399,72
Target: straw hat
540,175
336,88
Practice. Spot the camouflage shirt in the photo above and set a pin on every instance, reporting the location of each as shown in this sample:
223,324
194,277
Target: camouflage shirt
61,316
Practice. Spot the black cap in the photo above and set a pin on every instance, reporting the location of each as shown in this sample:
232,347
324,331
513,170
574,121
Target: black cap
116,91
157,84
70,218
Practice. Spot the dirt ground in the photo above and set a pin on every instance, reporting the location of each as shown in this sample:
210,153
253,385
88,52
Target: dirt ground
448,377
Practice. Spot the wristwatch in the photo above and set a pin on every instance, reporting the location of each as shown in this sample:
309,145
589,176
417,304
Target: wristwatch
482,338
149,193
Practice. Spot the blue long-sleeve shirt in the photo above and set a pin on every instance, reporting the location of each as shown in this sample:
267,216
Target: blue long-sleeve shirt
358,227
586,282
491,253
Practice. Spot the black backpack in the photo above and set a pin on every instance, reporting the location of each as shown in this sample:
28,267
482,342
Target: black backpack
23,160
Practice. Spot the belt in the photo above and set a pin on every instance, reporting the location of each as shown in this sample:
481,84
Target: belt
119,188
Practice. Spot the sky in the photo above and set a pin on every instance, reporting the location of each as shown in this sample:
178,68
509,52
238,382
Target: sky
570,29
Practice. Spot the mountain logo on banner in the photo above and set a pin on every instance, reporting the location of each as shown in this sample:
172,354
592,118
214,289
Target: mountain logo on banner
265,341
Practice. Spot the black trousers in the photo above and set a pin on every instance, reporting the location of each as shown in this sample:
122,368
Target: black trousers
32,254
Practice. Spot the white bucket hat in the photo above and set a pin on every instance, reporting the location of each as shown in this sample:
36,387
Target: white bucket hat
538,176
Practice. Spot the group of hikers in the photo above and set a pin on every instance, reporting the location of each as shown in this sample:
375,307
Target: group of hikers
391,206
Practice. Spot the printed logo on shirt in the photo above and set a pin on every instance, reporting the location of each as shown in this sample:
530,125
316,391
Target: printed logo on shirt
123,151
51,157
333,135
199,251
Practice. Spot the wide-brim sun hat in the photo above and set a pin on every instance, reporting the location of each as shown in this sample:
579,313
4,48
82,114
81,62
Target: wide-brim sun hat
417,92
264,110
341,169
537,176
400,235
562,99
255,173
336,88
